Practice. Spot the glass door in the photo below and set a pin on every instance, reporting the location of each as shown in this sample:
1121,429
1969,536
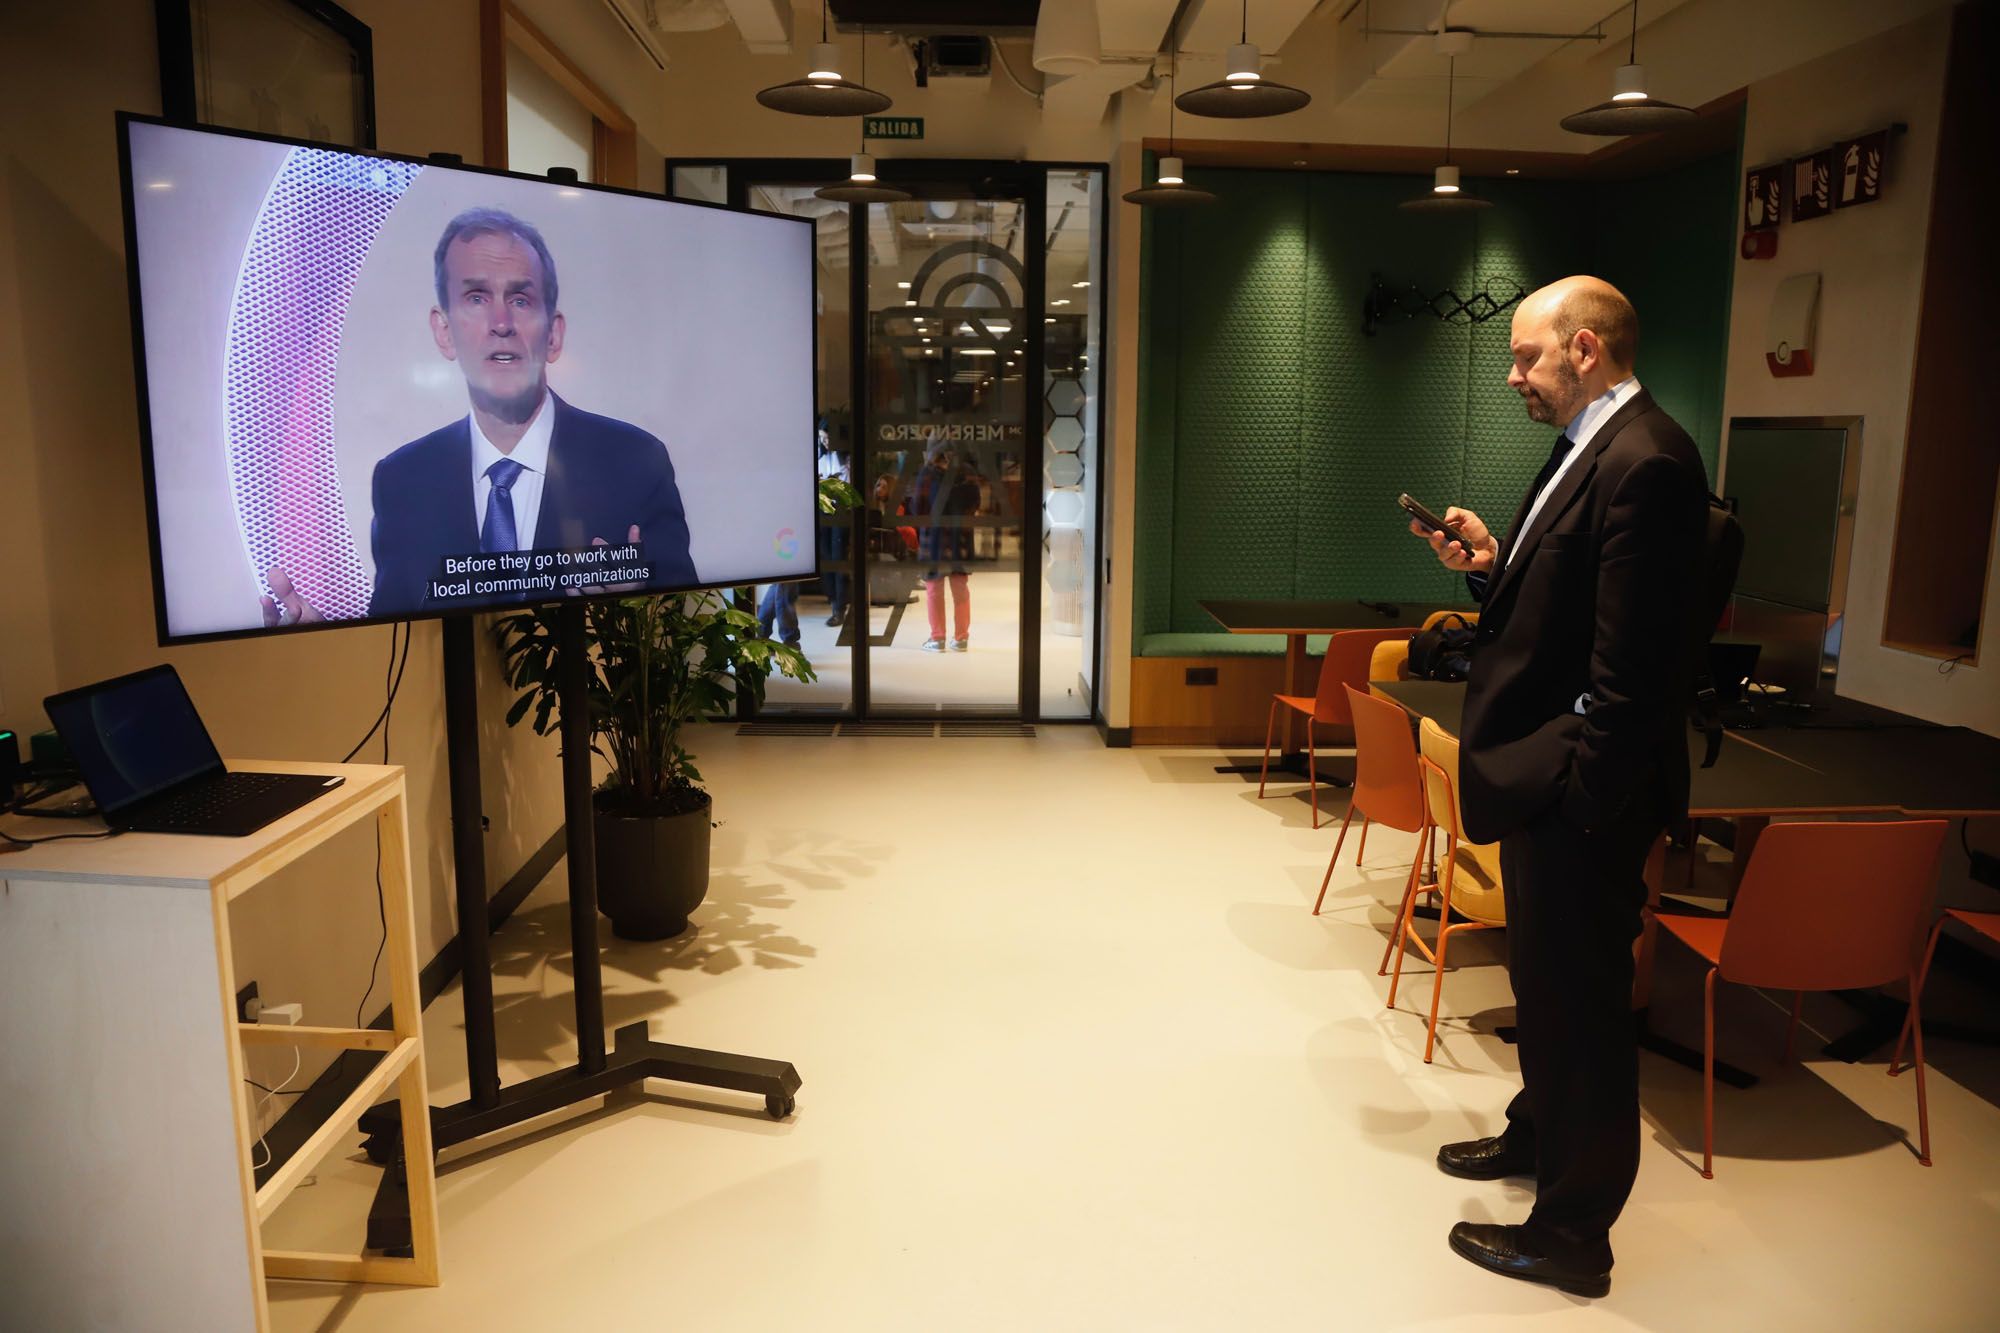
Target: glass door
946,424
958,381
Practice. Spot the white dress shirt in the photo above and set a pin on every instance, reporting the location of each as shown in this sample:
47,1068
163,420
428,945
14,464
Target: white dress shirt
531,451
1586,425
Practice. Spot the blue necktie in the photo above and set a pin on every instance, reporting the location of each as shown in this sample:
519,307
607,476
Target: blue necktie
497,533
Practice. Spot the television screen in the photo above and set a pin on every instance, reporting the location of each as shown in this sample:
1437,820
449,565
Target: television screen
376,389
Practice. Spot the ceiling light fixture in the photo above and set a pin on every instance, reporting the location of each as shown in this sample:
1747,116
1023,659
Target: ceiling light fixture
1445,195
1244,92
1629,111
1170,188
861,186
822,92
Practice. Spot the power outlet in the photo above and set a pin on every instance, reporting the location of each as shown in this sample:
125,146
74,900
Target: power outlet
247,1003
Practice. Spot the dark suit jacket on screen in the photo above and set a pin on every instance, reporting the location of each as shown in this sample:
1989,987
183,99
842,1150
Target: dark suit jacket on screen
603,476
1594,602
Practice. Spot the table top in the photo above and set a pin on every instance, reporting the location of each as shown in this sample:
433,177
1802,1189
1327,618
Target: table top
1259,615
1914,769
189,860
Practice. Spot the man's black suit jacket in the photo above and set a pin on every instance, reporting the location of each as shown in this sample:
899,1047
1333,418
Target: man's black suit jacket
603,476
1596,601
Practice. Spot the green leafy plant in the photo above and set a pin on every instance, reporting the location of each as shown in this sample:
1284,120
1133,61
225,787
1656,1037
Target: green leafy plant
657,663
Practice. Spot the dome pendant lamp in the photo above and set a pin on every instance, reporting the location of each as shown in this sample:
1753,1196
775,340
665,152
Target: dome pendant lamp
1629,111
861,187
822,92
1170,189
1445,195
1244,92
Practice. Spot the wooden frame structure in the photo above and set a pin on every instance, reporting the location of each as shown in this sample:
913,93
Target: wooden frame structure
140,1090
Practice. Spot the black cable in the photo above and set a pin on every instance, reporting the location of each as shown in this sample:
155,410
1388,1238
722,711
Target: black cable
391,688
278,1092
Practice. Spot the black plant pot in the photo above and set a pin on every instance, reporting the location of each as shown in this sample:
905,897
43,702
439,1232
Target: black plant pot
652,870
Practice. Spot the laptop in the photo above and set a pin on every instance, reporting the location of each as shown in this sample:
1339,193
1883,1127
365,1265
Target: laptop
150,766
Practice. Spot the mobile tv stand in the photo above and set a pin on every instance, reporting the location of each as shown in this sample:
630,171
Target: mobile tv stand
634,1057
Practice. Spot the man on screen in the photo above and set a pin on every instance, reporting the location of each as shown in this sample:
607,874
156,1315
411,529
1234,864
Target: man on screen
524,470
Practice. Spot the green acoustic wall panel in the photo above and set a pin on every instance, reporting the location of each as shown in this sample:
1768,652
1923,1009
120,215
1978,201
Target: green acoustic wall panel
1242,267
1275,433
1159,359
1668,242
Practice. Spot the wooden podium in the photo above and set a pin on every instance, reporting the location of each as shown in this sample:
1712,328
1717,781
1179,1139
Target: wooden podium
125,1165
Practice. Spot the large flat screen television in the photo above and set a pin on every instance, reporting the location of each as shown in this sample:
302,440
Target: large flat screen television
373,388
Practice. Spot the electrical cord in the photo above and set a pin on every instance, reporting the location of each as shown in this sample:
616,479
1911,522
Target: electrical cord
391,687
271,1095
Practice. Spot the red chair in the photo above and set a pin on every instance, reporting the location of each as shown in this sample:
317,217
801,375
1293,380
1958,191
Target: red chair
1821,907
1986,923
1387,787
1346,663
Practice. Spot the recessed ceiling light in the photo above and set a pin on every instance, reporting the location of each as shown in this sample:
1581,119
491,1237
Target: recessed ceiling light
1048,319
904,285
1298,161
909,303
1064,301
1080,284
1513,171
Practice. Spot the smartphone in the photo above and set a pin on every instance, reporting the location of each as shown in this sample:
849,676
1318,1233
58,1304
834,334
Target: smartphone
1426,517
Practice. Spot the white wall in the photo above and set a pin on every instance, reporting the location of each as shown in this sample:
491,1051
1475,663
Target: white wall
546,126
1871,262
76,604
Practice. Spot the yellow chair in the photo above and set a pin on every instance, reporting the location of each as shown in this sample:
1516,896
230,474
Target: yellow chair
1469,883
1391,659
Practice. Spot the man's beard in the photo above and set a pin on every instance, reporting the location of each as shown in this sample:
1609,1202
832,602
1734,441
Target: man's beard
1569,385
516,410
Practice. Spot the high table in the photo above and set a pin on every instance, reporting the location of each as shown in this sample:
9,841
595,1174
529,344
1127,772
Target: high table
1297,619
130,1199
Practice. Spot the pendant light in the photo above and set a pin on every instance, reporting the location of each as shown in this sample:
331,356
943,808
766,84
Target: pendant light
822,92
1170,188
1629,111
861,187
1445,195
1244,91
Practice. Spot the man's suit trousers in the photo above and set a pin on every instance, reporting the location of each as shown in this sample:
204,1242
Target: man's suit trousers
1573,909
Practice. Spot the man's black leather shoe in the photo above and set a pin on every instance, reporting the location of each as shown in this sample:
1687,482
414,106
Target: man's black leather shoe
1485,1159
1504,1250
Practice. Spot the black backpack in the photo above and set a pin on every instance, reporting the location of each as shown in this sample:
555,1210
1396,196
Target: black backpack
1444,651
1721,557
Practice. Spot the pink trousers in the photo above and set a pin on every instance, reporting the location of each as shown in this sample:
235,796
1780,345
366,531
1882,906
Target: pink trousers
961,605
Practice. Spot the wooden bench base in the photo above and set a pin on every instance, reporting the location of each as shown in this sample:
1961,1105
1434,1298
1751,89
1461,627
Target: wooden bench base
1232,710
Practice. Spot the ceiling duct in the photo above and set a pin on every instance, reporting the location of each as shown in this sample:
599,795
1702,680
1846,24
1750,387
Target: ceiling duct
942,18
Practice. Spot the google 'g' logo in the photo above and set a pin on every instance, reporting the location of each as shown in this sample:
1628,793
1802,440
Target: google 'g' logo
786,544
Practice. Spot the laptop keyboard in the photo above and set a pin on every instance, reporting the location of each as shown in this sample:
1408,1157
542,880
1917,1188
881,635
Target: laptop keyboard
202,805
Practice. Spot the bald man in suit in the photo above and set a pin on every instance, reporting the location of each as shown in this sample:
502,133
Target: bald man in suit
1574,759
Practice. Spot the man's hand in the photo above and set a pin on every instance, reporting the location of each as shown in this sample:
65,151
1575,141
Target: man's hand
1476,549
289,608
598,590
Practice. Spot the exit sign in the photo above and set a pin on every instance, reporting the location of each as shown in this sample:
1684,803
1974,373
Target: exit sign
892,127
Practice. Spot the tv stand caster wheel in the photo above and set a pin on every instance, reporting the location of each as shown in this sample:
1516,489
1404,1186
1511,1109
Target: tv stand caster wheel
779,1105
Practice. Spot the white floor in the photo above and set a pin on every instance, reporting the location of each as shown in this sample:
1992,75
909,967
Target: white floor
903,677
1077,1056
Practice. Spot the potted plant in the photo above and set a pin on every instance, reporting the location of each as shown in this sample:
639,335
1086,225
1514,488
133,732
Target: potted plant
656,664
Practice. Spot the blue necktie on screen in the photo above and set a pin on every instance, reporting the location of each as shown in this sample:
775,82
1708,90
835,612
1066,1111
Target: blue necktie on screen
497,532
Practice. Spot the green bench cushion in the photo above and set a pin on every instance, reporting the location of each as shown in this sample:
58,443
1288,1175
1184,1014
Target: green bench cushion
1222,644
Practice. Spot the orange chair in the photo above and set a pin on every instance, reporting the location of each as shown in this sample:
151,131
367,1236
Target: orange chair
1387,787
1986,923
1346,663
1470,882
1821,907
1390,659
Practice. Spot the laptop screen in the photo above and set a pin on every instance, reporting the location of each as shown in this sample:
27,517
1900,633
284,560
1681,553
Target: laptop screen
134,737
